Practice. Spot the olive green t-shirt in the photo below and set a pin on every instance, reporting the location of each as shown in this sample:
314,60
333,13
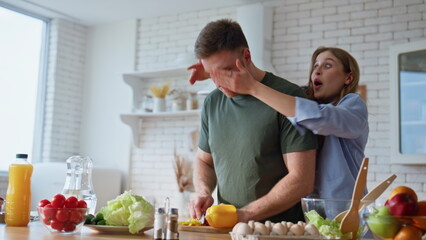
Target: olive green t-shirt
247,138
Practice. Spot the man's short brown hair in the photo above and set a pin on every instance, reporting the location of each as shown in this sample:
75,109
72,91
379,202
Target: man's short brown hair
224,34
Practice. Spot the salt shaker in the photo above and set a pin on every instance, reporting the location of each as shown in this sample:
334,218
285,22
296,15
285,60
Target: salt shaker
159,219
78,181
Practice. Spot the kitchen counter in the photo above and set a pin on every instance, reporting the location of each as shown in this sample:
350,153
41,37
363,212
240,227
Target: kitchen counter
36,231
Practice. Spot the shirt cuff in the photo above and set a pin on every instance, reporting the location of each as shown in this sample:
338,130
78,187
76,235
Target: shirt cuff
305,109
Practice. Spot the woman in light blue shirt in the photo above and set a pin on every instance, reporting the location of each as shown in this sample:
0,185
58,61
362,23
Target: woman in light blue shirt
336,113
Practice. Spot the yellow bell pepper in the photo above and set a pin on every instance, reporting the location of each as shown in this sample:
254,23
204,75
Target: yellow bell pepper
191,222
222,216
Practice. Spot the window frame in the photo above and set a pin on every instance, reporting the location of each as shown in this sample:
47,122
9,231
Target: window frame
394,52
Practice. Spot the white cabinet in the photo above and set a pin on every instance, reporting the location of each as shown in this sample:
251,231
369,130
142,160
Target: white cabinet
140,82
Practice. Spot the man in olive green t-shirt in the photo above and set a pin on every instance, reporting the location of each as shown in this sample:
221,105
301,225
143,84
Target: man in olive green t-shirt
258,160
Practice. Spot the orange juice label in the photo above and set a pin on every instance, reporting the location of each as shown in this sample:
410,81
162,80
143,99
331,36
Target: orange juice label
18,197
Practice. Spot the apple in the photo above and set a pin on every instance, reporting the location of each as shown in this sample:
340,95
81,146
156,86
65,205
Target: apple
403,204
382,223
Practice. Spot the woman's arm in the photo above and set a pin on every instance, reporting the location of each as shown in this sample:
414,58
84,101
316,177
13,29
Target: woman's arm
281,102
242,82
348,119
198,73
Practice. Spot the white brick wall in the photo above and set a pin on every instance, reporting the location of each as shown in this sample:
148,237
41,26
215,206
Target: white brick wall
63,105
373,27
366,28
161,41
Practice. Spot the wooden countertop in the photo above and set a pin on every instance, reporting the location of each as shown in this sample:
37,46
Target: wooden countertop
36,231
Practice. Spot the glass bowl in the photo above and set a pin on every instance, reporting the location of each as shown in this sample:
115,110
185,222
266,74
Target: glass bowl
2,205
2,209
62,220
330,208
385,227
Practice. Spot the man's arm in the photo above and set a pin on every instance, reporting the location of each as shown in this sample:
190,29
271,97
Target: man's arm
204,183
298,183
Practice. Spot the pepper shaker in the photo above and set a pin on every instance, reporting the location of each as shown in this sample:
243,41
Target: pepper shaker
172,225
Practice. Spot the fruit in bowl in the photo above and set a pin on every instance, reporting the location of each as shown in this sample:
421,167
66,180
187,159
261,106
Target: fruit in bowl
2,214
401,218
394,227
382,222
62,215
322,212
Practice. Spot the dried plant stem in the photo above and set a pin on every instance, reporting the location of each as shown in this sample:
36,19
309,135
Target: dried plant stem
183,173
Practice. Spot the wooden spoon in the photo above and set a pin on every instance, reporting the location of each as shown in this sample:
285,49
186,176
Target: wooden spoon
350,222
371,196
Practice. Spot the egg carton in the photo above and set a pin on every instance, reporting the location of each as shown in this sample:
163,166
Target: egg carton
235,236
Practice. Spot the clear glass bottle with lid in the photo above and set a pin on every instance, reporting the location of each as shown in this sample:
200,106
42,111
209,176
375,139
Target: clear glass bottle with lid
78,181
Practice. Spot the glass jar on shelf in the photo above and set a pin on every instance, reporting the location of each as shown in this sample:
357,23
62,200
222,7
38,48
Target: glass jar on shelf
147,104
191,101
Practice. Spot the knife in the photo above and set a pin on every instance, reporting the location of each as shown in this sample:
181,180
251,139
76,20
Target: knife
203,219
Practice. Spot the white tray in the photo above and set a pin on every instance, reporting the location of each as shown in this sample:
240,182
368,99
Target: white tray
277,237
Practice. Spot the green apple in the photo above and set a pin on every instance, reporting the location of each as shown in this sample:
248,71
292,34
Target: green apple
382,223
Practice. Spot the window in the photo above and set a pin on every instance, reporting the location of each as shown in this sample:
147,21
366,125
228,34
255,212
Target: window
22,77
408,112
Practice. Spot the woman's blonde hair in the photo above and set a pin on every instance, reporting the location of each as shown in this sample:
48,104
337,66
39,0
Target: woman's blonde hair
349,63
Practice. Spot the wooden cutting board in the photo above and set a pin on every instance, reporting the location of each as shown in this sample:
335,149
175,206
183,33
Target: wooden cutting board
204,229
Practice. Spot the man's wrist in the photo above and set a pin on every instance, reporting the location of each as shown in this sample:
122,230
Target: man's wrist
203,193
244,215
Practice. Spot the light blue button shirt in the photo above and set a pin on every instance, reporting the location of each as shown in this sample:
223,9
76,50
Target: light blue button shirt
345,127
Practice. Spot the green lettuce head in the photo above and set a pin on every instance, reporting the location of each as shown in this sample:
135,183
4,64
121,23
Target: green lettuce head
129,210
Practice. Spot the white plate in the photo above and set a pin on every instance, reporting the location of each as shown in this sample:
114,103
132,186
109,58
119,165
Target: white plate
114,229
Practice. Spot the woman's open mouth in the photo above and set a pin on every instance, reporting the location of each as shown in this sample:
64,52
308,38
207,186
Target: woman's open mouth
317,84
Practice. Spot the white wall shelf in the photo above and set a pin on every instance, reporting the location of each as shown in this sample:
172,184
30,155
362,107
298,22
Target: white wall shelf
135,120
183,113
137,81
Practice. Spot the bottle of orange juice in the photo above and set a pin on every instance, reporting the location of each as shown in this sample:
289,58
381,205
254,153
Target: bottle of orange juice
18,196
